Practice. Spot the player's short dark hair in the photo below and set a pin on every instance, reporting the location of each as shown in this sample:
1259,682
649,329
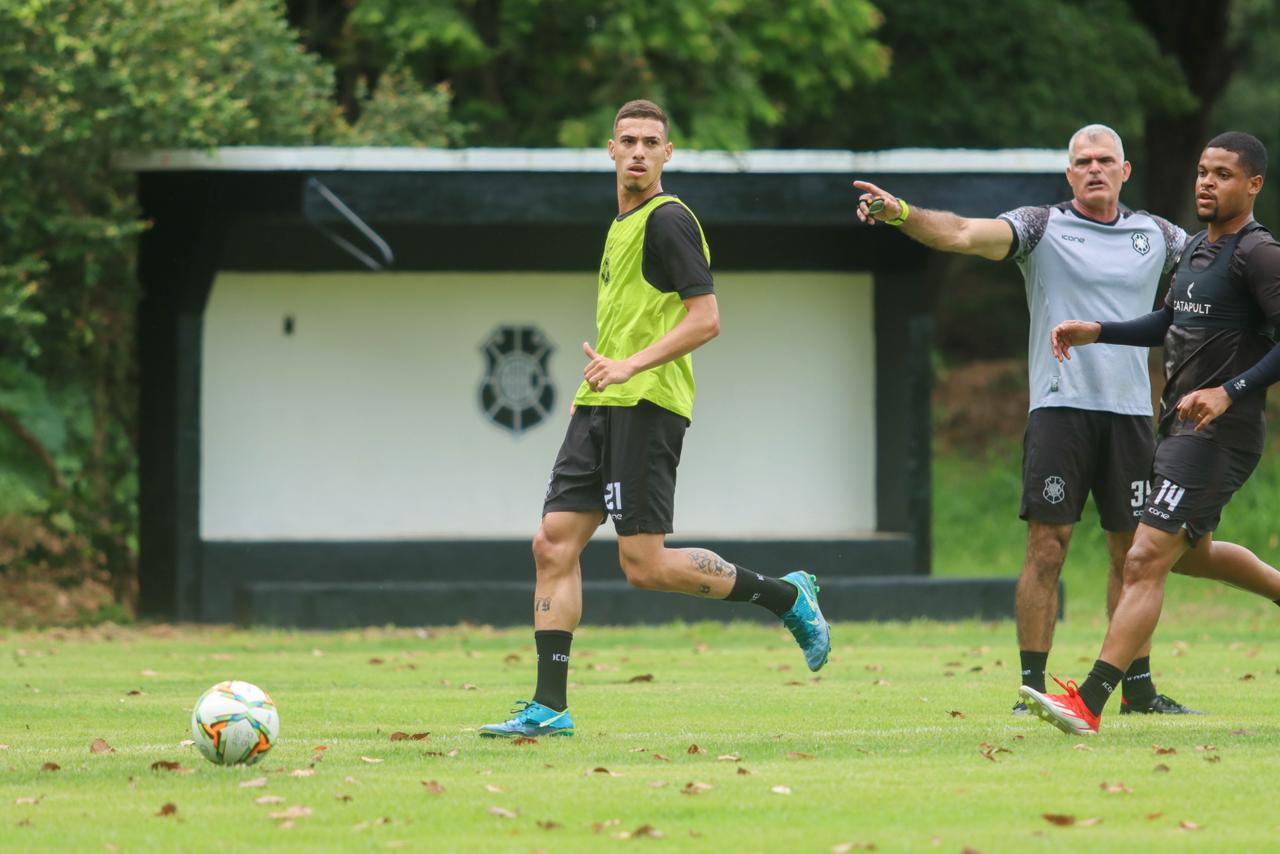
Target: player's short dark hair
1250,150
641,109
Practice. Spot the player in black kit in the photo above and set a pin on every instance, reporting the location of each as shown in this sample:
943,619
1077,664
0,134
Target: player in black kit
1216,324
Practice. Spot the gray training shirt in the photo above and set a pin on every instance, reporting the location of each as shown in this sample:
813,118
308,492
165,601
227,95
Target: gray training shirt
1079,269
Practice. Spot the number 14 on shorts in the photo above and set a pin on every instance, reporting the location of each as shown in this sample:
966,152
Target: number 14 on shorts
1169,494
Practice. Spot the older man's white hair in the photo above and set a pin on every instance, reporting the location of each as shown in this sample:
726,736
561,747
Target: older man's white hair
1092,132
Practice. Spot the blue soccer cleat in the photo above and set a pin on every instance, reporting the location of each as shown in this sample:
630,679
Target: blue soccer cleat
531,720
806,622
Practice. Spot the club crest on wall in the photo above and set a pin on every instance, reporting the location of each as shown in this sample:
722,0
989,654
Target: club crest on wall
516,392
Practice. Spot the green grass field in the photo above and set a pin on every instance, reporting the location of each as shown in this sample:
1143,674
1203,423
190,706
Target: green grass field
905,743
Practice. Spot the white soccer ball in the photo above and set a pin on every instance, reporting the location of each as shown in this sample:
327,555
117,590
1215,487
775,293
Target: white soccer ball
234,723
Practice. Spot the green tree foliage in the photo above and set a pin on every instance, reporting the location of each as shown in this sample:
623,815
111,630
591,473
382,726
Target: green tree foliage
1006,74
81,79
1251,102
537,73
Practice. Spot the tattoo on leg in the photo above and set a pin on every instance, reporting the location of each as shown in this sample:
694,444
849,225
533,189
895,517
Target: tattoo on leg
709,563
542,603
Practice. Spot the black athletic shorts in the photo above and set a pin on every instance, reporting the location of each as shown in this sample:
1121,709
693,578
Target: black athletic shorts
1192,479
620,461
1068,453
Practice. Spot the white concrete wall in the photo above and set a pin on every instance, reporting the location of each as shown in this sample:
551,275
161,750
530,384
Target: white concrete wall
365,423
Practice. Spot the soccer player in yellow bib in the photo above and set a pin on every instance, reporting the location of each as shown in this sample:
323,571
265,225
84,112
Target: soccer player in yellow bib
655,305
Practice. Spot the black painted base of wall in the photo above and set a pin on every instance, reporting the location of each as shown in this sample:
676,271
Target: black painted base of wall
471,565
305,604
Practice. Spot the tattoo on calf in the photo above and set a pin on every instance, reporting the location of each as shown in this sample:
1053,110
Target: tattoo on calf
542,603
709,563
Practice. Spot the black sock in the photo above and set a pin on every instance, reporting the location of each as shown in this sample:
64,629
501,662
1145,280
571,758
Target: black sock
1139,690
553,668
1033,665
1096,690
772,593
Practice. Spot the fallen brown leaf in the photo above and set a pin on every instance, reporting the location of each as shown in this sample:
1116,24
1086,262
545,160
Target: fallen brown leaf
1059,820
512,659
1155,815
1213,759
51,766
643,677
693,748
1205,748
743,771
342,796
956,714
660,757
518,740
399,736
600,769
168,809
647,830
420,736
795,754
1163,751
550,825
268,800
100,745
166,765
493,789
375,660
607,823
503,813
1248,677
320,748
433,787
255,783
1161,769
1116,788
696,788
1188,825
469,686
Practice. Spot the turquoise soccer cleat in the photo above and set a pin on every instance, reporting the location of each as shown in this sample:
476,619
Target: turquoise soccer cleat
531,721
806,622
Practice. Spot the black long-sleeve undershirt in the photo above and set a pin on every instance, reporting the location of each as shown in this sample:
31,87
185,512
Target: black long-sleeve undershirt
1264,372
1145,331
1149,330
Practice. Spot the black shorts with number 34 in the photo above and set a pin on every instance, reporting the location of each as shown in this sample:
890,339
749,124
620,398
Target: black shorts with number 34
620,461
1069,453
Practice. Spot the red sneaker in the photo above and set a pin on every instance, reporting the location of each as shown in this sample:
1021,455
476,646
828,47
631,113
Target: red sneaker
1065,711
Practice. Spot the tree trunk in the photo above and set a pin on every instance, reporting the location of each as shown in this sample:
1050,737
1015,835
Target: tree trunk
1195,33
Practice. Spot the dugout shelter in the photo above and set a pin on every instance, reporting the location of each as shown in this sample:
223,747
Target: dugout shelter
357,366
